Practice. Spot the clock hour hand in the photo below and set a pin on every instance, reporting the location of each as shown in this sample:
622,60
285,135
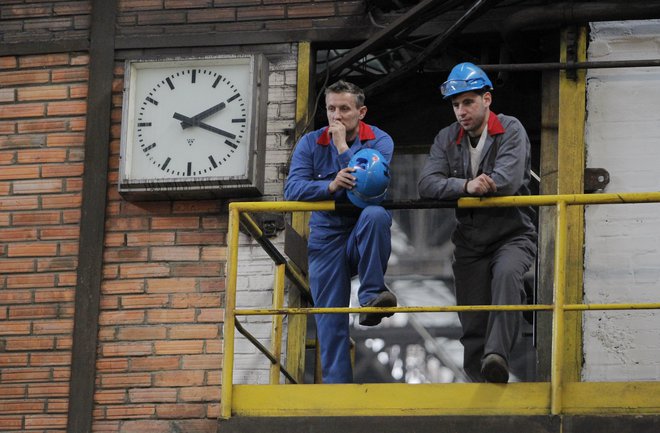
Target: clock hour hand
204,114
190,121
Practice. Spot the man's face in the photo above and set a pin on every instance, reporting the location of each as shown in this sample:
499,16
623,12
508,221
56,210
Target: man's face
342,107
471,110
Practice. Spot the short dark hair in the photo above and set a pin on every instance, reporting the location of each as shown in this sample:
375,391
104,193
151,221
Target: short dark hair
342,86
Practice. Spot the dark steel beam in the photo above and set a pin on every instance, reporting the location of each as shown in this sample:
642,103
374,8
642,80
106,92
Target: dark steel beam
477,8
44,47
92,220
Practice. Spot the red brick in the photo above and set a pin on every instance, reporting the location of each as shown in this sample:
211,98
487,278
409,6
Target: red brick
214,346
151,426
13,391
71,216
214,254
48,390
65,139
34,126
38,186
311,10
125,380
114,240
54,295
197,269
8,62
43,60
202,362
7,128
29,343
121,317
176,223
17,111
79,59
62,170
204,300
23,77
67,108
13,203
13,360
41,156
179,347
16,266
70,75
144,301
202,393
178,378
144,270
42,93
72,8
171,411
125,255
66,279
52,327
58,405
110,396
172,254
212,15
141,333
19,172
18,234
152,395
21,406
122,286
39,249
215,315
171,285
30,281
260,13
47,359
145,208
8,95
200,238
25,375
155,363
128,411
15,328
150,238
179,332
11,423
124,349
50,422
170,316
139,5
112,365
126,224
78,91
33,312
57,264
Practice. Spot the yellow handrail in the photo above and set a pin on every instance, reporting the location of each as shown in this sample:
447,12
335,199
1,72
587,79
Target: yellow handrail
561,201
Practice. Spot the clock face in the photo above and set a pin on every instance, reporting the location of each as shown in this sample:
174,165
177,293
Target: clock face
190,121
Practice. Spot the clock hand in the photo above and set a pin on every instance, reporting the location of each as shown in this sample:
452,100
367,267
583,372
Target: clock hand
204,114
191,122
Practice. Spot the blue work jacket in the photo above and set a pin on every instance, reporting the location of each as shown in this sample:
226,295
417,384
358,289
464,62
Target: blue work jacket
316,162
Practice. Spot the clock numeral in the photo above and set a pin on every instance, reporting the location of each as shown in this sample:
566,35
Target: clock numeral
230,144
167,161
148,148
234,97
189,170
144,124
153,101
194,76
213,163
217,80
237,120
169,83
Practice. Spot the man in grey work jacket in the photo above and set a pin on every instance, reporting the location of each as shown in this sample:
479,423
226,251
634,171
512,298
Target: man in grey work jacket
342,245
484,154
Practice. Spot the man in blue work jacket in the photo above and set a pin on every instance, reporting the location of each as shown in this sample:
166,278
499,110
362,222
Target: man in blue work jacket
342,245
484,154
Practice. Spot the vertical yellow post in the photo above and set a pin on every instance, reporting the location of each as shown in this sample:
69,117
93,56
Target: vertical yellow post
297,324
276,329
230,305
570,170
556,379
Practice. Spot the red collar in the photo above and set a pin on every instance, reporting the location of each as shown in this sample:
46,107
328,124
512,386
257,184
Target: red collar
494,127
364,133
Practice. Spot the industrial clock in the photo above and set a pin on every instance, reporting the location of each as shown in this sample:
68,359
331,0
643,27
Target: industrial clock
194,127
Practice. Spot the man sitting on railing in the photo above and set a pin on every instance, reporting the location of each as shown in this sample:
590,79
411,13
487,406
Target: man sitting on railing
484,154
342,245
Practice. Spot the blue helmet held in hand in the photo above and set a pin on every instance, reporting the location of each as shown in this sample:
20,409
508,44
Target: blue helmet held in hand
372,173
465,77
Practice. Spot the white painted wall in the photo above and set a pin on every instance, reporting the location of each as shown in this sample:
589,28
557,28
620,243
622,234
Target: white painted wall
622,242
256,271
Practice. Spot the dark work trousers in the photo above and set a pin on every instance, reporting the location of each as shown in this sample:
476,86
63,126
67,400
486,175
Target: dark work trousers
491,277
334,258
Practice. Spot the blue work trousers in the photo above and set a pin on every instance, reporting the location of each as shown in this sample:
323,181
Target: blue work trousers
334,258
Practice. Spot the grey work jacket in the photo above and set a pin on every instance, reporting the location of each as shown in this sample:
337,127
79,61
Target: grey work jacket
505,158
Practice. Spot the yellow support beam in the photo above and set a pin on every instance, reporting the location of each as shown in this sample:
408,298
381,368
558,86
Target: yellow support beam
277,322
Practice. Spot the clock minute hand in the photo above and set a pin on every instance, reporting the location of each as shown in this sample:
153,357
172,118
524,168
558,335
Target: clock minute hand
204,114
191,122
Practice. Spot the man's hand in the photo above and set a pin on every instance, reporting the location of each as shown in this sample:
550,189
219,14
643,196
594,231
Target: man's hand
344,179
481,185
338,132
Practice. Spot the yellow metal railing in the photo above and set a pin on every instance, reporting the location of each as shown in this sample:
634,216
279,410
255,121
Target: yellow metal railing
528,397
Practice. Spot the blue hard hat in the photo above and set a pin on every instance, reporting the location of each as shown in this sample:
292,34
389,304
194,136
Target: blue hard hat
465,77
372,173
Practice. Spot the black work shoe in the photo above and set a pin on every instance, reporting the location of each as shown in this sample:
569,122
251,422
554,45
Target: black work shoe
494,369
384,299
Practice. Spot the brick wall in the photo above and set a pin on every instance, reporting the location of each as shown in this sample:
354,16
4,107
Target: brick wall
42,121
29,21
